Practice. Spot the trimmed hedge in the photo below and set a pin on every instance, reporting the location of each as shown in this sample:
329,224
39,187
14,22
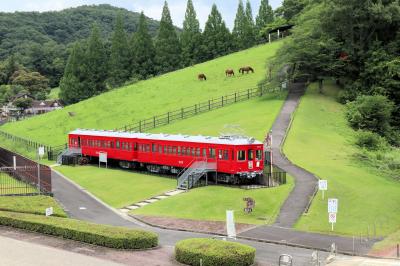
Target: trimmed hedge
214,252
101,235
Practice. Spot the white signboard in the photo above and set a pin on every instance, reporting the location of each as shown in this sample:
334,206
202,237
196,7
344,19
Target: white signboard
15,163
103,157
49,211
41,152
332,217
333,205
323,185
230,225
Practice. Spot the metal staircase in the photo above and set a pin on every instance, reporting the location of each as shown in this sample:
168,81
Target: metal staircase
68,152
192,174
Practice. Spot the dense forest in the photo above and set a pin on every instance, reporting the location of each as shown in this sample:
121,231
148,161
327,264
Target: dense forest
40,41
357,43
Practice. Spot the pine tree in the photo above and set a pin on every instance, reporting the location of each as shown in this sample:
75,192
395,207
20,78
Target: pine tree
168,50
239,27
264,17
217,40
119,60
143,52
190,37
249,26
95,65
71,86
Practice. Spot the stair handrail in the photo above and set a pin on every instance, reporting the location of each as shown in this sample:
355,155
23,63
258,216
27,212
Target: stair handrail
203,165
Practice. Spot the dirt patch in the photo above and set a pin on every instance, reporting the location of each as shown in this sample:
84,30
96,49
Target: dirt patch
211,227
390,252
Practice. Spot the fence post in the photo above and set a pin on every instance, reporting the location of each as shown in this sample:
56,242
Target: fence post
209,104
182,113
235,96
168,117
154,122
222,101
195,109
248,94
261,91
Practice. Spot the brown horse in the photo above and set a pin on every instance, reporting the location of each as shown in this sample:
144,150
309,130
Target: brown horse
246,69
229,73
202,77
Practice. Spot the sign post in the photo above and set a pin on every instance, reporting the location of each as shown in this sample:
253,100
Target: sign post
49,211
102,158
332,210
15,163
230,225
323,186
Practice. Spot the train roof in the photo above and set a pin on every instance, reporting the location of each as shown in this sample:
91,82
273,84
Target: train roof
225,140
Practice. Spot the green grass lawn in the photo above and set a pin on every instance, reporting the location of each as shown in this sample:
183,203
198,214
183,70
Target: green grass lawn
147,98
211,202
254,117
30,204
321,141
118,188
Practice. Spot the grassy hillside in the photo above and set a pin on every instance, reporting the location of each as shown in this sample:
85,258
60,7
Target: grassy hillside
321,141
146,98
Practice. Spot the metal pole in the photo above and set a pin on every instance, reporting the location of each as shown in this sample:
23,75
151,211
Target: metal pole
38,165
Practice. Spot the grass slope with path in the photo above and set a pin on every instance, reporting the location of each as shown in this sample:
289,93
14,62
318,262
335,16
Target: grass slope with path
30,204
147,98
116,187
321,142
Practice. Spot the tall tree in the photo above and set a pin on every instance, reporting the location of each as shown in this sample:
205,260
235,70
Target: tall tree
291,8
264,17
143,52
217,40
71,86
191,37
240,27
250,26
95,65
119,59
11,67
168,49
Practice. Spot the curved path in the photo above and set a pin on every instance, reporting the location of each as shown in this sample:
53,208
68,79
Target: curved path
305,182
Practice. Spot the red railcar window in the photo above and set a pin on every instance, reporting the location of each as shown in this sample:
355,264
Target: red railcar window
241,155
259,155
117,146
174,150
212,153
179,150
219,154
250,155
225,155
198,152
136,146
204,152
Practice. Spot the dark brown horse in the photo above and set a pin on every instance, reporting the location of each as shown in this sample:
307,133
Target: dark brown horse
202,77
246,69
229,72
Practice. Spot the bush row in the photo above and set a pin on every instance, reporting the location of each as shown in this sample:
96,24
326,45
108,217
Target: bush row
214,252
101,235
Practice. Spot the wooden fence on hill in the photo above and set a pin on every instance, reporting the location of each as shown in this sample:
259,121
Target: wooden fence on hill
190,111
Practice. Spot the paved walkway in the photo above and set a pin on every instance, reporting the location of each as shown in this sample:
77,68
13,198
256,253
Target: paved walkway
20,253
357,261
305,182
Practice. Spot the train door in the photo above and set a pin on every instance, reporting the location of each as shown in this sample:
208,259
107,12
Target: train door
79,142
251,159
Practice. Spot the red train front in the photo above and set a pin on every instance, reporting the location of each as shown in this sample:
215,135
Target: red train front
236,159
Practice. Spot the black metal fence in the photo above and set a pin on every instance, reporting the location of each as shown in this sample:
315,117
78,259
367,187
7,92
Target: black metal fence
19,175
25,142
186,112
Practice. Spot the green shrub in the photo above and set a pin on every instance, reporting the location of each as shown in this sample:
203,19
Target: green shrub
101,235
372,113
370,140
214,252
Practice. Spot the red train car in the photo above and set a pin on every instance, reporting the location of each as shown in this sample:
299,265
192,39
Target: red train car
236,158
